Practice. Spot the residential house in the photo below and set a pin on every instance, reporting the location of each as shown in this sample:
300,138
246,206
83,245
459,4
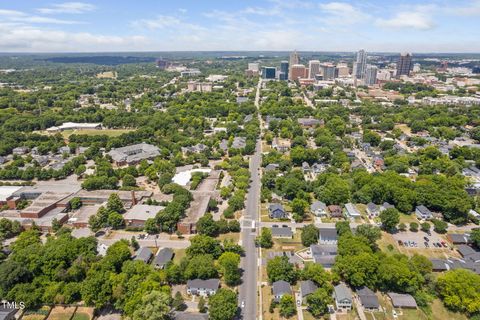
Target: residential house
272,166
400,300
459,238
318,167
239,142
335,211
198,148
372,209
163,256
309,122
306,167
343,297
143,254
423,213
204,288
318,208
269,119
276,211
351,210
386,206
281,145
20,150
327,236
368,299
324,254
306,288
282,232
280,288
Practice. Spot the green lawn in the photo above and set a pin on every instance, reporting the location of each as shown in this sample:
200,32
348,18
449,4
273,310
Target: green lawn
81,316
92,132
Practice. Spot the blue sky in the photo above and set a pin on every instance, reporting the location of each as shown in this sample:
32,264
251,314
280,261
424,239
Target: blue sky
156,25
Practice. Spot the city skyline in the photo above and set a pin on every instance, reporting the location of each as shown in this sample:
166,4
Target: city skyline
272,25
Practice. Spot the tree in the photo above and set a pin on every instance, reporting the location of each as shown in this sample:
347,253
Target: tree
154,306
317,274
402,226
202,244
298,207
115,204
318,302
222,305
413,226
279,268
200,266
75,203
56,225
287,306
207,226
265,239
115,220
372,233
309,235
439,226
129,181
390,218
151,226
475,237
178,302
229,262
342,227
201,305
460,290
425,227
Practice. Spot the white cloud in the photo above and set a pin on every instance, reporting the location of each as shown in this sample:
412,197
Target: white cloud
473,9
68,7
419,20
342,13
159,22
19,16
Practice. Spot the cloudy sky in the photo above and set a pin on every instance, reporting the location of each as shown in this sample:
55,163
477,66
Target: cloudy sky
157,25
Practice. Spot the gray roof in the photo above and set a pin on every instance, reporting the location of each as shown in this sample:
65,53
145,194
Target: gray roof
323,249
307,287
367,297
271,166
7,313
439,264
144,254
281,287
239,142
275,206
318,205
372,207
400,300
423,210
342,292
465,250
190,316
163,256
282,232
211,284
459,237
328,232
134,153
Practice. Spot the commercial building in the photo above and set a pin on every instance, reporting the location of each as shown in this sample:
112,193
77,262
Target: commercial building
193,86
343,70
137,215
328,71
313,68
294,59
404,64
360,64
133,154
253,66
284,68
371,75
269,72
76,126
297,71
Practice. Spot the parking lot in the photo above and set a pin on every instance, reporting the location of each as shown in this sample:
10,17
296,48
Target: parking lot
420,240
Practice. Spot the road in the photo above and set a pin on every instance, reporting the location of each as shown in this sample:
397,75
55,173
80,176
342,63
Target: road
248,289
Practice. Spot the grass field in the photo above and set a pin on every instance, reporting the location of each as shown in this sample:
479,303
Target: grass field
179,254
61,313
93,132
81,316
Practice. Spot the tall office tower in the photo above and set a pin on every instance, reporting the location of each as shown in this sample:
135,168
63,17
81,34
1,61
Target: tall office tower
371,75
269,72
297,71
313,68
404,64
328,71
253,66
343,70
162,64
294,59
283,70
360,64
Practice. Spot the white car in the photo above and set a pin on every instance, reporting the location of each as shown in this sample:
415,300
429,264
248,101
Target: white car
242,305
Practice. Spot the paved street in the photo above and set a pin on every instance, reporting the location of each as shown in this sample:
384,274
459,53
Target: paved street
248,289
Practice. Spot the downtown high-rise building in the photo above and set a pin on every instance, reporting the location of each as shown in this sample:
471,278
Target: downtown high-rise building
254,66
404,64
360,64
328,71
297,71
269,73
294,60
313,68
371,75
284,70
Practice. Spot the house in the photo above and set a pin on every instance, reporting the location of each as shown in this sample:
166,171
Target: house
400,300
439,265
343,297
318,167
465,250
335,211
239,142
282,232
318,208
163,256
20,150
324,254
137,215
327,236
204,288
269,119
223,145
280,288
423,213
281,145
198,148
368,299
386,206
351,210
272,166
143,254
459,238
307,287
309,122
306,167
372,209
276,211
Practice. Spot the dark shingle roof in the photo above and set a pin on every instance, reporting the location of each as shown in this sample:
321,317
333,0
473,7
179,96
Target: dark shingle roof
307,287
465,250
281,287
211,284
367,297
144,254
402,300
163,256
